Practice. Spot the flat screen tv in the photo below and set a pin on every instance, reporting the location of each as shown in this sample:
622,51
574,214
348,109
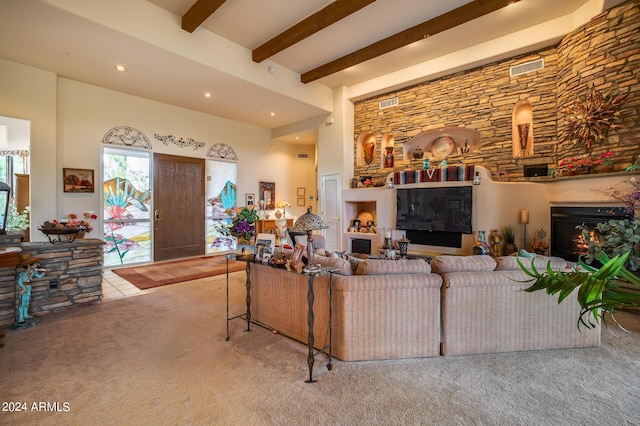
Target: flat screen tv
442,209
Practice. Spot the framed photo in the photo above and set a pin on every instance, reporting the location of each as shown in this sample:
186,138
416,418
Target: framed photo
249,199
296,256
301,192
265,246
300,202
78,180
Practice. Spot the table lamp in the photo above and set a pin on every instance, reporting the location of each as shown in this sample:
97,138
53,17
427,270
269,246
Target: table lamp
308,223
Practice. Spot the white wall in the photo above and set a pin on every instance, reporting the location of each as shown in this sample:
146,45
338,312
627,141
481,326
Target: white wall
29,93
69,120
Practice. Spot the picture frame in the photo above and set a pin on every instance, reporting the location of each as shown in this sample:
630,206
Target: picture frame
78,180
300,202
265,246
267,195
249,199
301,191
296,257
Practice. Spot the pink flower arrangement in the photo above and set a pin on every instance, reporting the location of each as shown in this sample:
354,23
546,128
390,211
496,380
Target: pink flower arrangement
85,222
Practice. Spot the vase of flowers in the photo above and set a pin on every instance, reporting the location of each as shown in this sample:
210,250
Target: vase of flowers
282,205
242,226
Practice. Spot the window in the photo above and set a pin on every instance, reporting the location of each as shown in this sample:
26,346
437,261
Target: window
222,178
127,206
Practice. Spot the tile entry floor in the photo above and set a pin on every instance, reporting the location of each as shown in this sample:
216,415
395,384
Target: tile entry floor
115,287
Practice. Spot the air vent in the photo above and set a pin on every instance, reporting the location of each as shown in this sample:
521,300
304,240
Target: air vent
526,67
303,155
387,103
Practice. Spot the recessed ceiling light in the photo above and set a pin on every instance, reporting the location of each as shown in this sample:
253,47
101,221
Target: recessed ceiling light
273,114
120,68
297,138
207,94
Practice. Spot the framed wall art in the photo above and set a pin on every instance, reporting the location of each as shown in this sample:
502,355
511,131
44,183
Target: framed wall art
267,195
78,180
301,191
250,199
300,202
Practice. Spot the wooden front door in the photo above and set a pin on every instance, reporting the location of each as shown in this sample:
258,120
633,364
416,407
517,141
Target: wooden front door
178,199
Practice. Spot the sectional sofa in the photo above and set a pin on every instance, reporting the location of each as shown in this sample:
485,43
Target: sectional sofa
383,309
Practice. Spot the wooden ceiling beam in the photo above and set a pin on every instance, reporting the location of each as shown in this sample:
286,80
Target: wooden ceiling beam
198,13
331,14
451,19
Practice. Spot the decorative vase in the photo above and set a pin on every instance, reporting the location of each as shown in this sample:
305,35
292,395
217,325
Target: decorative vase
509,248
281,231
523,133
417,154
403,246
426,164
368,150
388,159
278,214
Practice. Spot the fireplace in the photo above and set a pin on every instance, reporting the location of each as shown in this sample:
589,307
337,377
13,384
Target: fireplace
566,240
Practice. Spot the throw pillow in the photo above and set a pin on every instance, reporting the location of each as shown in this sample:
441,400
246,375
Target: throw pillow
386,267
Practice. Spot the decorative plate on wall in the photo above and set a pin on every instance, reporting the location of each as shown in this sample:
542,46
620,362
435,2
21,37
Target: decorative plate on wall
443,146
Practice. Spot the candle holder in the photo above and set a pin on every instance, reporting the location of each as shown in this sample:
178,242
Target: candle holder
387,238
403,245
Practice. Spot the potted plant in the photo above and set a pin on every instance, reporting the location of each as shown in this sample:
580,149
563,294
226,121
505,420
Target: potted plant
600,291
605,162
509,234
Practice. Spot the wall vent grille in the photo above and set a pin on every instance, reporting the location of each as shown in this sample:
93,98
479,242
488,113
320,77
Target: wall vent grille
388,103
526,67
303,155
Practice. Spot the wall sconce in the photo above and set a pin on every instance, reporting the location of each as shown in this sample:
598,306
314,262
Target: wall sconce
5,196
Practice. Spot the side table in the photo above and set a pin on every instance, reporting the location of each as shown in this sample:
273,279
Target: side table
311,273
248,259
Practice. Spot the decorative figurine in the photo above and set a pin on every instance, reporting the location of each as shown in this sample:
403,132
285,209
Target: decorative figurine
24,320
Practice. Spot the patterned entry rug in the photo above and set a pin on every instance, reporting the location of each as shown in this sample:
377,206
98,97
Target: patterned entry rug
164,273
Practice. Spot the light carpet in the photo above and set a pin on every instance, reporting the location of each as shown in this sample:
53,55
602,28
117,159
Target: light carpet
161,358
178,271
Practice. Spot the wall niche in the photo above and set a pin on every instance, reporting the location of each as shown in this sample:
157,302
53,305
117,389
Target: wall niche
522,129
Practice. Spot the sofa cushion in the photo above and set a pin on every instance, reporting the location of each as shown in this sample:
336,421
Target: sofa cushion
343,265
386,267
507,263
445,263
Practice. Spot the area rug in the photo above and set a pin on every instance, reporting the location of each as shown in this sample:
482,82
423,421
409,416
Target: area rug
159,274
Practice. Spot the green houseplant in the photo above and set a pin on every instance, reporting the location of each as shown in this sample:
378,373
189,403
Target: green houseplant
509,234
600,291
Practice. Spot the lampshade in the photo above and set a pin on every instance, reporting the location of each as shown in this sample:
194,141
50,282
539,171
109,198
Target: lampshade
309,222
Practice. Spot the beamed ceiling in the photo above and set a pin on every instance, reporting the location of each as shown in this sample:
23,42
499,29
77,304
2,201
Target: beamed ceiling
274,63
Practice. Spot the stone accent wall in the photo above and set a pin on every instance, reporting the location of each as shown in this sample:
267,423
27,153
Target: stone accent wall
73,277
604,52
607,49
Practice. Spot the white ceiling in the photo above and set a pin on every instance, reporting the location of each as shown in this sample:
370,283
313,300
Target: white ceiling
83,40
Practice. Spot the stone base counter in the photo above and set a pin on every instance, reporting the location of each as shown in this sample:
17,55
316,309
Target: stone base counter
73,276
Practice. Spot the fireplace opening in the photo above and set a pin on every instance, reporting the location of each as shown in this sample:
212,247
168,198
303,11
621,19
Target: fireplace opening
566,239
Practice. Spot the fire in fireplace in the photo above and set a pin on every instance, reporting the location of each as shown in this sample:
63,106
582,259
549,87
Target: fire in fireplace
566,238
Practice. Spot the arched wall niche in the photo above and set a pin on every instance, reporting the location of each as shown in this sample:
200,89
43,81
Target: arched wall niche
522,129
441,143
